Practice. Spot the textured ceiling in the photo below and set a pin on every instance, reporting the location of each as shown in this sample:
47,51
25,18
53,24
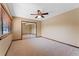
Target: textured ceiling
25,9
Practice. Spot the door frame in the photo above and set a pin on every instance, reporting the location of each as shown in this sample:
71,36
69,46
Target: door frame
28,22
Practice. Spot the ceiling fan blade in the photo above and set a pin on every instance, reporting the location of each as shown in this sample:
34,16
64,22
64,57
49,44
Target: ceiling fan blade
44,13
33,14
42,16
36,17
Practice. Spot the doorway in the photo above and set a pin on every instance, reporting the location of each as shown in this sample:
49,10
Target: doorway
29,29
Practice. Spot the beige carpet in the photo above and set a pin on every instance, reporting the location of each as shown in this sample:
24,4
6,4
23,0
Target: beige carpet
28,36
40,47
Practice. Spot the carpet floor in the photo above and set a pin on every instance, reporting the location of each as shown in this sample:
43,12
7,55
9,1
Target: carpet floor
32,46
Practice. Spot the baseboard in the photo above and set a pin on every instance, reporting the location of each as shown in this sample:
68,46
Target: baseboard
29,33
61,42
17,40
8,48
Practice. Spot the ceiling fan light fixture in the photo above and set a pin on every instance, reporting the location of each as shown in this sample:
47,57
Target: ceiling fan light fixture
39,17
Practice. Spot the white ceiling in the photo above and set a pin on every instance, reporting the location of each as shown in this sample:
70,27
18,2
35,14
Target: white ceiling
25,9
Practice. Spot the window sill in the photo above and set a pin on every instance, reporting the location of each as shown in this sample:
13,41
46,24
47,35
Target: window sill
4,36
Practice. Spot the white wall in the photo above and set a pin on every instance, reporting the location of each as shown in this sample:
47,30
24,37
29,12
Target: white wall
63,28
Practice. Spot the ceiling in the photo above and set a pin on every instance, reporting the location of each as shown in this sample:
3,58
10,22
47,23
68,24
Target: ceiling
25,9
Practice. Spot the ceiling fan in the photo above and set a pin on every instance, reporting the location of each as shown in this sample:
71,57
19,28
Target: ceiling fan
40,14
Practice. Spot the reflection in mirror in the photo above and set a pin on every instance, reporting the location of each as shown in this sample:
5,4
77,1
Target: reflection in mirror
0,22
5,21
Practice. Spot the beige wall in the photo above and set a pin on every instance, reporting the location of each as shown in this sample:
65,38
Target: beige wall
39,29
64,27
33,30
4,44
16,28
38,26
26,29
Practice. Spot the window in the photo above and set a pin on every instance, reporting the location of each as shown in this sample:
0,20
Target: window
5,22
